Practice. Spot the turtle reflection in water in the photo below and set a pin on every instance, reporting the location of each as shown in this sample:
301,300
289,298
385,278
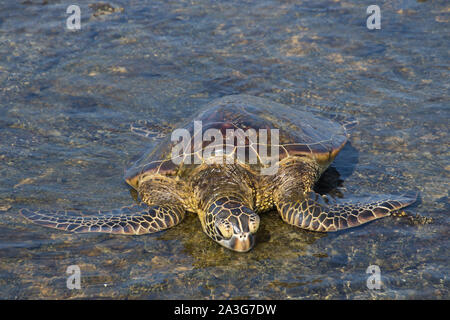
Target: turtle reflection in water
228,195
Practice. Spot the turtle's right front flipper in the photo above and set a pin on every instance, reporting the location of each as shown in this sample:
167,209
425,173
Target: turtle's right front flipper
130,220
317,213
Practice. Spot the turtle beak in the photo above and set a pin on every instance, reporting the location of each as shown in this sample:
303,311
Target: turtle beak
242,242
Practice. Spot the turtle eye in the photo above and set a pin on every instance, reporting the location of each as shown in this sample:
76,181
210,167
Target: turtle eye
253,223
225,228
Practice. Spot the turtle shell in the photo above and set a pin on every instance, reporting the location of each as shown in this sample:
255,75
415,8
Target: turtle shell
300,133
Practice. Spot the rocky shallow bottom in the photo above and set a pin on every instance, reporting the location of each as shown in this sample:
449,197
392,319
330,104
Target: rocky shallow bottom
68,99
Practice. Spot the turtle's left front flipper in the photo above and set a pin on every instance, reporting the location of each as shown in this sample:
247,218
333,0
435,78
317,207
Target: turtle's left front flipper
130,220
318,213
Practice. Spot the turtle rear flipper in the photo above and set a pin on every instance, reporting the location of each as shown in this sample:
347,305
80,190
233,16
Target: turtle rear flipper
130,220
150,130
319,213
347,121
349,124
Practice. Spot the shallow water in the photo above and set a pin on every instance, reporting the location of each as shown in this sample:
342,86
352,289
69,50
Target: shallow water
68,99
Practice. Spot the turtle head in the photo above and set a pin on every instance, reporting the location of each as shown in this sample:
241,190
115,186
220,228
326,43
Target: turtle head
230,223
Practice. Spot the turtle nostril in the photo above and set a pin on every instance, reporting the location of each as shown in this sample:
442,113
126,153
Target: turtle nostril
243,236
243,241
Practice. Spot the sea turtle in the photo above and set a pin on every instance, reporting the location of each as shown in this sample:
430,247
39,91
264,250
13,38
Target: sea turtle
192,170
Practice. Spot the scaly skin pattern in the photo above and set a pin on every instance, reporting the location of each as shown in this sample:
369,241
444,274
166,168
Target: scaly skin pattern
229,222
314,213
226,198
298,205
161,208
225,204
132,220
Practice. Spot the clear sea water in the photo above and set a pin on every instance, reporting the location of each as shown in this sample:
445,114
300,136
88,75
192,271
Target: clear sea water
68,99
